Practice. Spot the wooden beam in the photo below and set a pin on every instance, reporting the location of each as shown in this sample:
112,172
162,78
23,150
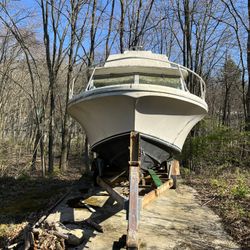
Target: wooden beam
113,178
152,195
134,179
133,217
112,192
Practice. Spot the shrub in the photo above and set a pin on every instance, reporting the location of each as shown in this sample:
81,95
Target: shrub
240,189
213,146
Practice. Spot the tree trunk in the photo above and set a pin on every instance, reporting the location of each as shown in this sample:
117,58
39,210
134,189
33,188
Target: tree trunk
248,67
109,30
225,107
135,41
92,35
86,153
65,125
64,147
188,48
51,128
43,166
33,164
122,26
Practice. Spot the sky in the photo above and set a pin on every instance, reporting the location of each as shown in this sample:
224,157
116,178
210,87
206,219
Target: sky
33,7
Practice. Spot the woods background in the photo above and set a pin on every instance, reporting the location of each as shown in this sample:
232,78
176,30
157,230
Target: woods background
46,47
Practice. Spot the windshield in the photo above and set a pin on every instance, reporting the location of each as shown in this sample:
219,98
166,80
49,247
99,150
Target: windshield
162,80
107,81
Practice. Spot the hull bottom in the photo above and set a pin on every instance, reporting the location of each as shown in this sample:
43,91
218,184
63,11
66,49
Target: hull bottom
115,151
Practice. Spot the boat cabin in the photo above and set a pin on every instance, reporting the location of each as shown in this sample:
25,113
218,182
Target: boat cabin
142,67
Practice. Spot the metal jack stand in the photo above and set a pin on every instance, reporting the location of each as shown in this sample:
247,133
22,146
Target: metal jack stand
134,179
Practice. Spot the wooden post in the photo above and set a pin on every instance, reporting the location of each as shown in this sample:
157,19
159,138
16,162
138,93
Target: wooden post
134,179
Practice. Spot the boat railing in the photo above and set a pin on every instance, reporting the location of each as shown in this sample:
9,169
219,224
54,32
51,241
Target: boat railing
193,83
193,78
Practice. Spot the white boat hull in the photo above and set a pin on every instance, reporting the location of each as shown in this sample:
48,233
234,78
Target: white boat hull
163,113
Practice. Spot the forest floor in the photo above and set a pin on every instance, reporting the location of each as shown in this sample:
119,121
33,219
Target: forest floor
26,198
227,193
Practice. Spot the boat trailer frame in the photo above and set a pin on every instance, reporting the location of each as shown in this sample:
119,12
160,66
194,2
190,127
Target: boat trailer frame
134,204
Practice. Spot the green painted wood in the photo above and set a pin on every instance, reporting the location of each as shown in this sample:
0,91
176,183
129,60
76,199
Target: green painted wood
155,177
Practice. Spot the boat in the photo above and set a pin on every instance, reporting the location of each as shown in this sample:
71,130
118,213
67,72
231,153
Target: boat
137,110
144,92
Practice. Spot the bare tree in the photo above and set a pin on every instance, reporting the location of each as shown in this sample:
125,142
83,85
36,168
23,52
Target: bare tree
238,24
75,40
55,54
248,68
22,37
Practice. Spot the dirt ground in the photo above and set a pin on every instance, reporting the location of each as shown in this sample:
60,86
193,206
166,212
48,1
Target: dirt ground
176,220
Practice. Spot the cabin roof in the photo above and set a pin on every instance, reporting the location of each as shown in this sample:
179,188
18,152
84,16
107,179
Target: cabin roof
139,62
138,58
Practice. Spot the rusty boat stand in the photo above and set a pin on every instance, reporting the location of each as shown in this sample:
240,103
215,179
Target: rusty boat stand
134,204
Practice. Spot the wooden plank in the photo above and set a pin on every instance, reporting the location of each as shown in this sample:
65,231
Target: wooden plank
115,195
96,200
155,177
113,178
175,167
151,196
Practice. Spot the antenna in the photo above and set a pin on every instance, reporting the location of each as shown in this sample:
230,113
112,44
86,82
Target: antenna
136,48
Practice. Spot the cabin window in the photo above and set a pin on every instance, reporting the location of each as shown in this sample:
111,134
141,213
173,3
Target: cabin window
112,80
163,80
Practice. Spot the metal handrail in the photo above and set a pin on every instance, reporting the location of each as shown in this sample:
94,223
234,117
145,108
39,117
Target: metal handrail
90,83
202,84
